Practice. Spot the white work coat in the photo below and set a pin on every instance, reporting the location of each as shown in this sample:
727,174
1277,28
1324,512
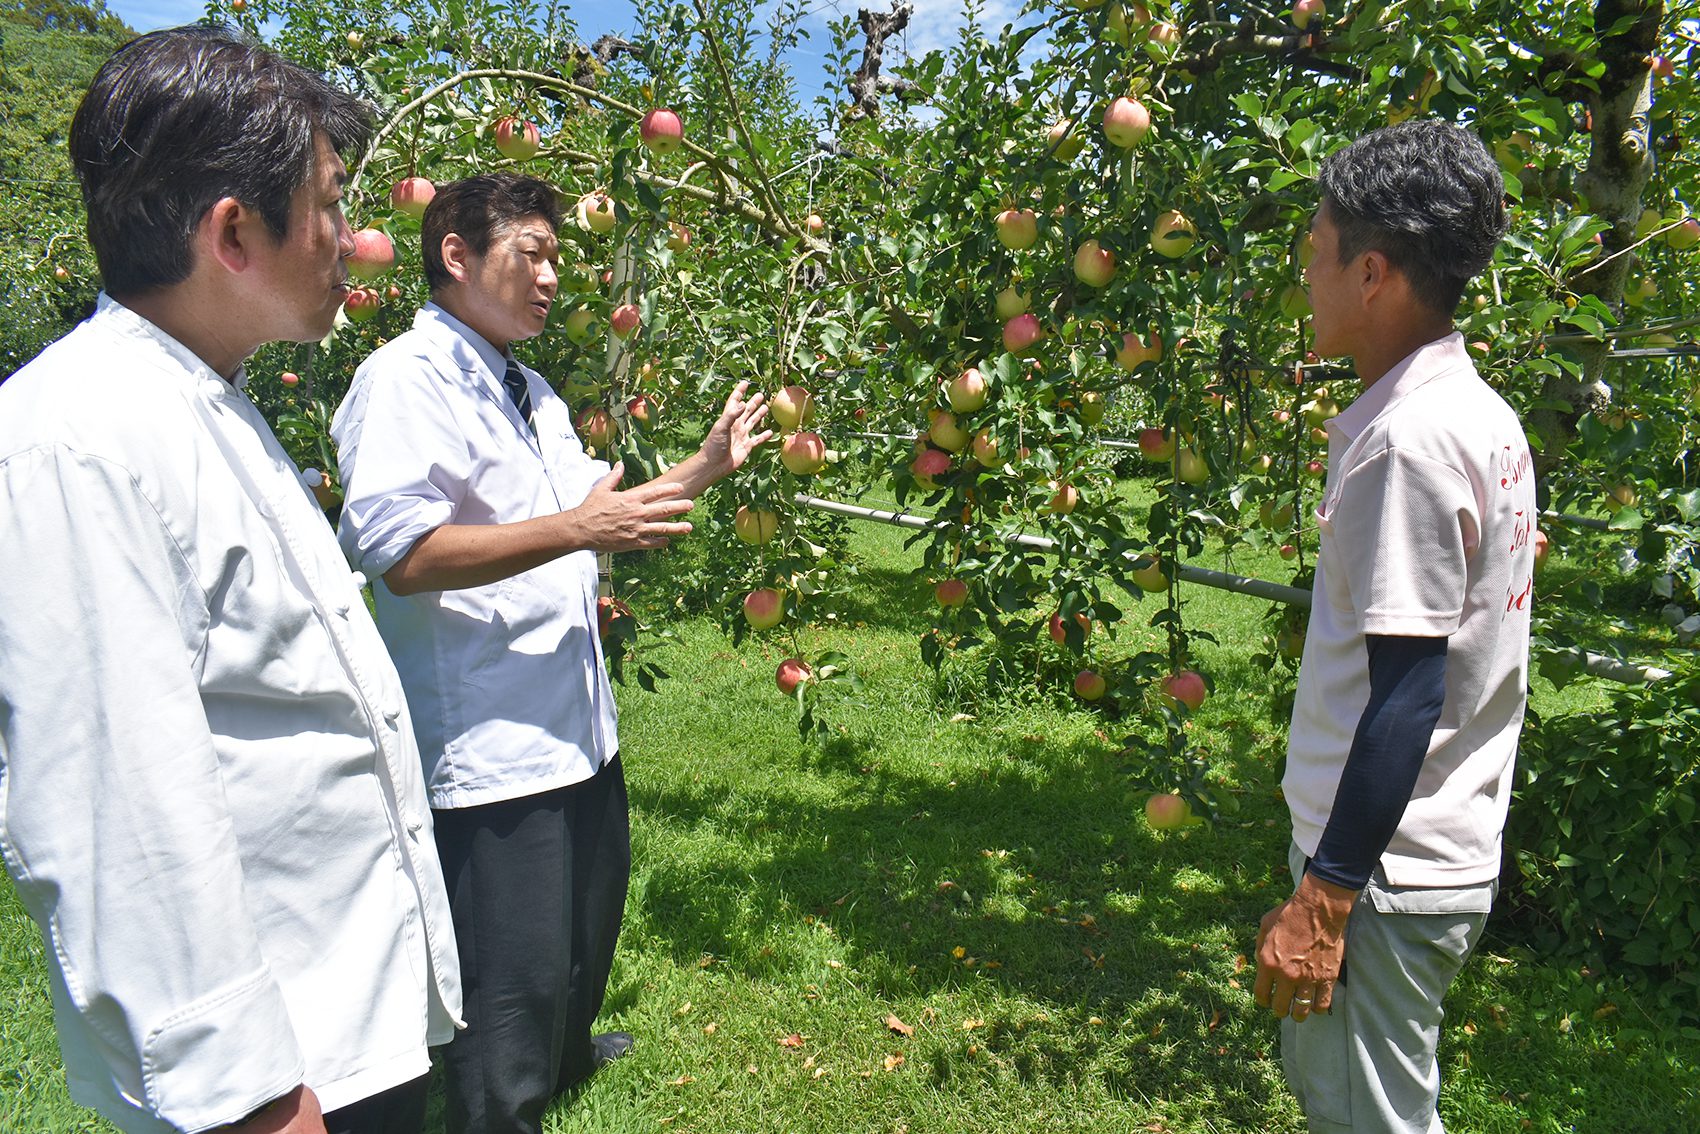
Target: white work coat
506,681
210,795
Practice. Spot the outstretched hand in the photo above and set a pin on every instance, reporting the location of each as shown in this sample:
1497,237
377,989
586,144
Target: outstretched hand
732,438
635,520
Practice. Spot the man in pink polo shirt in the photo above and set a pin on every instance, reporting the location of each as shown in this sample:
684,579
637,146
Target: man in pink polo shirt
1412,689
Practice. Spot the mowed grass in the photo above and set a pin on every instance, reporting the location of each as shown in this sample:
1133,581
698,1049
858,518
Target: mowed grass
952,918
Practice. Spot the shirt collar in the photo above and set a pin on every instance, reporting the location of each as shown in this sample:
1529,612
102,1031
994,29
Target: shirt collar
115,318
495,361
1421,366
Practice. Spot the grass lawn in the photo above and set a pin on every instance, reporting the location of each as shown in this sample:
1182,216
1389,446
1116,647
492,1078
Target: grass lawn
951,917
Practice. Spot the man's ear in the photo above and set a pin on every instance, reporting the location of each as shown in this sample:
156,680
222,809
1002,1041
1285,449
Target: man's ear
1376,275
226,233
457,257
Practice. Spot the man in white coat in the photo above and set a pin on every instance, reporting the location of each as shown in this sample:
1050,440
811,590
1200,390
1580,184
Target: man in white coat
210,793
469,495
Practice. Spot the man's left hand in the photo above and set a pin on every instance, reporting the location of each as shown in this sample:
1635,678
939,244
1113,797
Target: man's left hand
1300,947
732,438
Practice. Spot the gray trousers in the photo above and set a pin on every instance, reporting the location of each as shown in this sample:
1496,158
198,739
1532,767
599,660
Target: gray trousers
1369,1066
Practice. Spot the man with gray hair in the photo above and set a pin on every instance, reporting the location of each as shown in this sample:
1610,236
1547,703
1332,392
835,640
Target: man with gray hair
1412,688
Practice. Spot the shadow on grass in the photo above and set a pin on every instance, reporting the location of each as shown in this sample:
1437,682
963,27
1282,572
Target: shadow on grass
1035,869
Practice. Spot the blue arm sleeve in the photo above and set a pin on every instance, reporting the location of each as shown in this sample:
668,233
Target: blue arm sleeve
1407,687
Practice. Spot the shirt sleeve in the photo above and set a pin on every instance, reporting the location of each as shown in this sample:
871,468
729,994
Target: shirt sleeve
1407,690
113,817
1405,526
391,496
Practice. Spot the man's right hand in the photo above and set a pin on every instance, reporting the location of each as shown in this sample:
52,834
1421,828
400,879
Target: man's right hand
295,1113
634,520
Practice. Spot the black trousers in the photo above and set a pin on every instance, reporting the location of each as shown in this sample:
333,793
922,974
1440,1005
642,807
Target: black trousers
537,887
399,1110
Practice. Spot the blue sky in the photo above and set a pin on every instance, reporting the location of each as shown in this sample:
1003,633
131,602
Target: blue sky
935,24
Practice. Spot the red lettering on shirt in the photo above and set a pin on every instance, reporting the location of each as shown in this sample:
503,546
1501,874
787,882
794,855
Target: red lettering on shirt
1519,600
1521,530
1513,468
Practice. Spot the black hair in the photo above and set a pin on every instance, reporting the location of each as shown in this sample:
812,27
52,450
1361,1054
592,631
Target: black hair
1427,195
476,209
177,120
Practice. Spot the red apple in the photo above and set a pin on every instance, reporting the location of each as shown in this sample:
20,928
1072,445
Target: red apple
1190,467
1021,334
609,612
1064,500
1684,236
641,409
951,592
1288,551
288,378
1089,685
625,320
985,449
1156,444
967,391
362,304
1166,811
410,195
1304,11
1662,66
517,139
814,224
1059,633
596,427
792,672
1185,687
755,525
1543,548
929,466
661,130
678,237
1092,407
764,608
1017,228
1315,468
804,454
1126,123
373,254
792,408
1094,265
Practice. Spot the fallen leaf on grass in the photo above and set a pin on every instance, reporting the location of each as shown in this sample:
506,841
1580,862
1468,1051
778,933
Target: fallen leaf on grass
683,1009
898,1026
1604,1010
893,1062
1215,1020
1239,963
710,1028
792,1040
683,1079
970,1025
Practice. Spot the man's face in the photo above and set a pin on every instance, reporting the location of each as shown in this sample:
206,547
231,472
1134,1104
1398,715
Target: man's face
510,289
306,271
1333,294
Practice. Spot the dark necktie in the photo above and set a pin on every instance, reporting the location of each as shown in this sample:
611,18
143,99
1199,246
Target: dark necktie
514,380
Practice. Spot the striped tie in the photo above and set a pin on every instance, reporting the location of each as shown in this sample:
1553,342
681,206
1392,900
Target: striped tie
514,380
